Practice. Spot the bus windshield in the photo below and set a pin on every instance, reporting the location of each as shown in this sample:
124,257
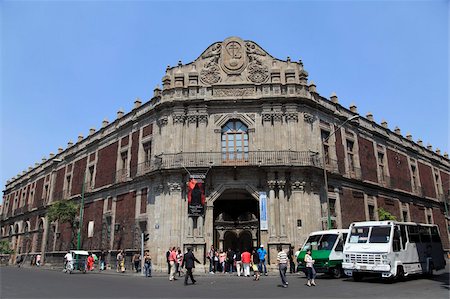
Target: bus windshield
320,242
378,234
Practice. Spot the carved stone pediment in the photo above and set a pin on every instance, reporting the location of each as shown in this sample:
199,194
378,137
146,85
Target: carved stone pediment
234,61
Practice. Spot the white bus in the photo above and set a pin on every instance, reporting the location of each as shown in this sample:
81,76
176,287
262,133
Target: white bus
392,249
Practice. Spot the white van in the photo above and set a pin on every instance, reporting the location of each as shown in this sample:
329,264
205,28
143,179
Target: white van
392,249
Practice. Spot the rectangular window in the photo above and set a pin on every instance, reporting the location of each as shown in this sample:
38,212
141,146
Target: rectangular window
372,213
405,216
91,177
359,234
90,229
326,148
147,152
332,207
414,177
380,234
350,155
124,159
381,168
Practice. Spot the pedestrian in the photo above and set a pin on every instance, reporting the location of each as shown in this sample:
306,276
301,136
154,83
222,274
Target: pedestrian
282,260
68,260
188,262
230,260
136,261
172,261
210,256
38,260
246,259
102,260
238,260
255,264
222,258
262,259
120,262
310,271
291,259
167,259
90,262
216,261
179,261
147,264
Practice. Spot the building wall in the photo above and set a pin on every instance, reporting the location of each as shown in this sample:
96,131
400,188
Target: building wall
426,180
367,160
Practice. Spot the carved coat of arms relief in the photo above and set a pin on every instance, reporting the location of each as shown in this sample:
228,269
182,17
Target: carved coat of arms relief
233,56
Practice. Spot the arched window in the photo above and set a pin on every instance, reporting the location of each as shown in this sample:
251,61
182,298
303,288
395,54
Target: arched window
235,140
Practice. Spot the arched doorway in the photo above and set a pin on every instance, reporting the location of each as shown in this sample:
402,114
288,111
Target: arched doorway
230,240
236,224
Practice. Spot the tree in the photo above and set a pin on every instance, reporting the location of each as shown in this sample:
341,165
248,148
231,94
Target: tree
4,247
385,215
64,211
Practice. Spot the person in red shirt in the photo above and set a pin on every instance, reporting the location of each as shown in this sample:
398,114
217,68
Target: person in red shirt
246,259
172,261
90,263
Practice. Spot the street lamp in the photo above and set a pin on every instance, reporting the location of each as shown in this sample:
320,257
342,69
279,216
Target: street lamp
325,168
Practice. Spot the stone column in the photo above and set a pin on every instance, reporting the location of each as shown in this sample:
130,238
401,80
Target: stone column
200,227
282,208
209,223
175,208
271,203
299,233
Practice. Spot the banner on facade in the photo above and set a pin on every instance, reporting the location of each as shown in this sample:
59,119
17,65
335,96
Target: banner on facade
263,211
196,196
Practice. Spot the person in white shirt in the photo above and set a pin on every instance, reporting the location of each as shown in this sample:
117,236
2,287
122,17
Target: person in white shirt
310,272
282,260
68,259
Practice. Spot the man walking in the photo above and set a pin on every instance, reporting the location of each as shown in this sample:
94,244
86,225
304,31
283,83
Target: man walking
147,264
211,255
246,259
262,259
282,260
188,262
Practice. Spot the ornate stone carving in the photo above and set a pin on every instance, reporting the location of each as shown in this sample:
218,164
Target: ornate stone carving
277,117
257,71
281,184
178,118
192,118
174,187
233,58
271,184
210,73
291,116
164,120
203,119
266,116
158,188
298,186
309,118
234,92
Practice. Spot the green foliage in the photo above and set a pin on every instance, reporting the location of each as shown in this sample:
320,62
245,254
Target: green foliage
385,215
63,211
4,247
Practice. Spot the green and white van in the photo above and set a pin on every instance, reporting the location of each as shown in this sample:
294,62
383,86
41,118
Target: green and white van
326,249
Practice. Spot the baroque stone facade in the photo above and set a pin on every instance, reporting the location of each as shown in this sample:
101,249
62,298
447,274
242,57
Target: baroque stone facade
254,127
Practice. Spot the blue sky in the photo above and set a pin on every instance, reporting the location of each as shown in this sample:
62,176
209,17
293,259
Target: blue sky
66,66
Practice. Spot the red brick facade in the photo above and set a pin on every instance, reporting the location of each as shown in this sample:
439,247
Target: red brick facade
340,153
134,153
124,236
390,205
417,213
78,176
106,165
439,219
399,171
352,207
367,160
426,180
93,212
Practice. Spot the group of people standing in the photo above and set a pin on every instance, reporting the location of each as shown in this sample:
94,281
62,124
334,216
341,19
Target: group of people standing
230,261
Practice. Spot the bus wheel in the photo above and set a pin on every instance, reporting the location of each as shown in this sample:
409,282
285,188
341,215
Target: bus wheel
400,274
336,272
357,276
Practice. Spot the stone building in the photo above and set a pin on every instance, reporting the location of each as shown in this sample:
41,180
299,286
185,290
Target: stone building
254,134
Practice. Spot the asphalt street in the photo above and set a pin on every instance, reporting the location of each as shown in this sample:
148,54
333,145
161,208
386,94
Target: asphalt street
42,283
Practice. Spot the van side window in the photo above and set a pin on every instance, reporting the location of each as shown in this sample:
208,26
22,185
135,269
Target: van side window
435,235
340,244
396,240
413,234
424,232
403,236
